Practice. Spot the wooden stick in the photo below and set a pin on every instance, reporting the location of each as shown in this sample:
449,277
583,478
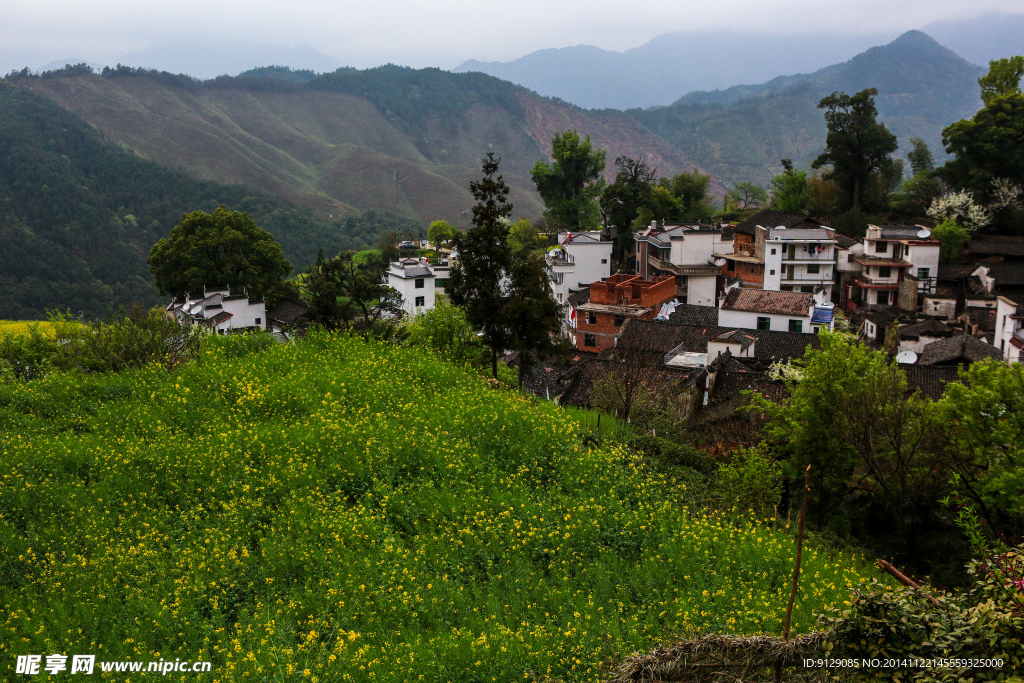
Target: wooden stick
902,578
796,570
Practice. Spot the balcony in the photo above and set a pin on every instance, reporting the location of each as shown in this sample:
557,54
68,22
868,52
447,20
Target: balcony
668,267
875,283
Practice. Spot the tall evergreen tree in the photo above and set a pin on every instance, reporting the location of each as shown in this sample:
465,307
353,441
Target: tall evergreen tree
857,144
571,184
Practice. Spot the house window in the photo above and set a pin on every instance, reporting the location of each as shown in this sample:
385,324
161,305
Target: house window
419,283
922,273
796,325
883,298
604,260
591,318
787,288
813,268
881,247
589,340
420,301
619,320
559,297
885,271
807,289
771,272
259,321
439,283
773,251
764,323
849,258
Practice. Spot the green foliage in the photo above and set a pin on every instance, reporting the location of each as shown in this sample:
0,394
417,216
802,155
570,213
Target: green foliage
747,195
571,184
80,214
357,509
669,453
984,442
342,291
790,190
622,200
852,419
440,232
523,235
920,157
916,194
856,144
692,196
953,239
750,481
1003,78
225,249
852,223
902,623
445,329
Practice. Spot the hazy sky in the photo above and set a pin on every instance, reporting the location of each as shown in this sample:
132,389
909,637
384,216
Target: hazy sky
439,33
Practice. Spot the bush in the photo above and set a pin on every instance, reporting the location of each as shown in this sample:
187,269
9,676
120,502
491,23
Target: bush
671,454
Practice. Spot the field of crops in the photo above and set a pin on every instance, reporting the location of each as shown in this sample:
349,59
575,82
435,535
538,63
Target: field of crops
23,326
342,510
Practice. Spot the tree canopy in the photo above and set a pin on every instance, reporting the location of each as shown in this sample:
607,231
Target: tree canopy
790,189
225,248
857,144
622,200
1003,78
571,184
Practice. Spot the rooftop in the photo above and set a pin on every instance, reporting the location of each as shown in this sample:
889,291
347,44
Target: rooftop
995,248
766,301
957,349
773,219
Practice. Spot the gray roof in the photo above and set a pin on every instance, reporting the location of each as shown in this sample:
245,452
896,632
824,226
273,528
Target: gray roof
900,232
418,270
800,234
958,349
928,328
767,301
994,247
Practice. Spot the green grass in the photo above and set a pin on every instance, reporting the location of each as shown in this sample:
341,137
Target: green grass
356,511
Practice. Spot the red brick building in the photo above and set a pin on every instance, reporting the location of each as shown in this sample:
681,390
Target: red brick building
613,301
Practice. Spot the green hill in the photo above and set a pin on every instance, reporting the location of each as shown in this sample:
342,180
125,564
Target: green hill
405,140
741,133
78,214
362,512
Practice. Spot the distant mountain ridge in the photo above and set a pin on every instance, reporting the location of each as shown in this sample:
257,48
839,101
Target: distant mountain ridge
741,133
669,66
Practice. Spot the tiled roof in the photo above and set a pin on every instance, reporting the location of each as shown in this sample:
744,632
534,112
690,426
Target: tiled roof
931,380
288,311
1006,274
769,345
983,318
995,248
957,349
218,319
773,219
928,328
951,273
741,337
766,301
845,242
692,314
579,297
654,376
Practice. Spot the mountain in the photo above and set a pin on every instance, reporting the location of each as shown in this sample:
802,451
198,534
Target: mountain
670,65
210,58
741,133
79,214
391,138
982,38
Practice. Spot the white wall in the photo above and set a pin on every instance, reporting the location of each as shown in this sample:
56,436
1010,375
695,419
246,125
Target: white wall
245,314
748,320
588,261
407,288
694,249
700,290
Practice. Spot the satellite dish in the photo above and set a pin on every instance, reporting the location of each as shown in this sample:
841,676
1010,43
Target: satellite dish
924,232
906,357
719,262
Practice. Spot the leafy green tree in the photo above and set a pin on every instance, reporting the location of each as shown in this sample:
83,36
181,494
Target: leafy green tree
987,146
571,184
747,195
440,232
920,157
751,480
523,235
857,144
790,189
622,200
953,238
444,328
851,417
342,290
1003,78
532,315
984,442
223,249
692,193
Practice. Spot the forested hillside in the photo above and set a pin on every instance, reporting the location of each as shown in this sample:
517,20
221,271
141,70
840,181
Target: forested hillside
741,133
393,138
78,215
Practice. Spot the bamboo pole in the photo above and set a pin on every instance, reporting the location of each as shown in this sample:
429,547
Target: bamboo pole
796,569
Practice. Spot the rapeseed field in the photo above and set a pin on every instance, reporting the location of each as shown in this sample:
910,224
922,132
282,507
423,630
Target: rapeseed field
341,510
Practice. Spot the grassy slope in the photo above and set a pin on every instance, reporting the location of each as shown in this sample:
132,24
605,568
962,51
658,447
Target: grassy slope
359,511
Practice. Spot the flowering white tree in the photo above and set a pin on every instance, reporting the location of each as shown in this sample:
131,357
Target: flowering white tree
961,208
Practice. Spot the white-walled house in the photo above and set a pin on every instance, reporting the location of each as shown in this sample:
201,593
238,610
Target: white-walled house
890,253
798,259
579,259
220,311
414,280
1009,335
761,309
687,252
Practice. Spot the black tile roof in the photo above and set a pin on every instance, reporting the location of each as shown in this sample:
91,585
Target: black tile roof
931,380
995,248
691,314
288,311
773,219
955,350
